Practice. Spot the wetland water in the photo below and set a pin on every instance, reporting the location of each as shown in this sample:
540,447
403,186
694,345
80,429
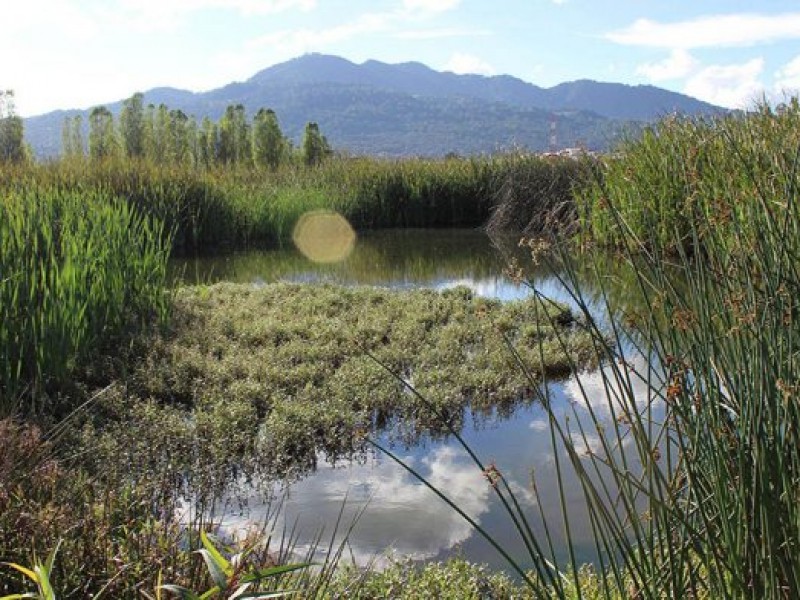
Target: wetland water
401,513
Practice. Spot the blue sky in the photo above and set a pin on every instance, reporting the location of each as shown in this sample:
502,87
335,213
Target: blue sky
79,53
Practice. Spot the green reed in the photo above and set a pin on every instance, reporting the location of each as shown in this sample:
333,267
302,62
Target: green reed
683,169
78,270
241,205
706,215
686,446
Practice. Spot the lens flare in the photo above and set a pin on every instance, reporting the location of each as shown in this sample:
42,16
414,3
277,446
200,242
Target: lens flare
324,236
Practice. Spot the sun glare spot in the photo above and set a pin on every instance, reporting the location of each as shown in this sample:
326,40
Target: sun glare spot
324,236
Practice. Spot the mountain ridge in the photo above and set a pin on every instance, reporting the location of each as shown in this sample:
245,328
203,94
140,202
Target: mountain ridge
410,108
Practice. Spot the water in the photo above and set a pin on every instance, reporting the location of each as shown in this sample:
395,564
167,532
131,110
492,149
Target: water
435,259
400,514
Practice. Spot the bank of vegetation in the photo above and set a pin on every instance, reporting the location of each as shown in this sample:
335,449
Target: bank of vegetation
692,491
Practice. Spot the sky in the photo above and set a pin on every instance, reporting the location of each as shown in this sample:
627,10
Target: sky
62,54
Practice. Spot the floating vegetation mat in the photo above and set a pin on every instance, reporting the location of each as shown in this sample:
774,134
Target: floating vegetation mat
283,371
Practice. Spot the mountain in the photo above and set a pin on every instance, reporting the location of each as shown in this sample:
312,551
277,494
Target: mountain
411,109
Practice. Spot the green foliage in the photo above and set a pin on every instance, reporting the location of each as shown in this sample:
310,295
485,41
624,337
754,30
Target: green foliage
236,205
279,372
270,147
103,142
231,577
234,136
684,172
131,125
692,484
117,534
315,146
12,145
79,271
39,575
454,580
72,144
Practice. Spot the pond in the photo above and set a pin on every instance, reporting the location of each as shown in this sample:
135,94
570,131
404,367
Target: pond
407,258
401,514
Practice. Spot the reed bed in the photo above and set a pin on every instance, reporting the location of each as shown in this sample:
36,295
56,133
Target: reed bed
687,448
683,173
79,270
685,442
716,264
237,205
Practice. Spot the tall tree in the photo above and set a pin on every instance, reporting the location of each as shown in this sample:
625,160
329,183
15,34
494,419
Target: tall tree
207,143
315,145
178,143
66,138
269,145
12,131
234,146
102,138
72,144
78,142
132,126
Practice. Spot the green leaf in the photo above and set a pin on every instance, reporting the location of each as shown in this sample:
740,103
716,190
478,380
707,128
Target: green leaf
17,596
51,559
45,588
210,593
220,560
25,571
214,569
274,571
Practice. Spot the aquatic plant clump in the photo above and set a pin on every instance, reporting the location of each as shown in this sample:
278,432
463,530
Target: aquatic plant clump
77,271
317,364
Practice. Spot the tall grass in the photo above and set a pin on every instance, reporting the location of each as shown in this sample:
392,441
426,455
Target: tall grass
688,457
237,206
78,269
686,173
706,214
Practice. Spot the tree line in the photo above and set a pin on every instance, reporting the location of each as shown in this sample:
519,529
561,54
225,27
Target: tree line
166,135
171,136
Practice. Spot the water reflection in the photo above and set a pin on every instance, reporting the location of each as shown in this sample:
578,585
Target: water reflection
403,516
402,513
393,258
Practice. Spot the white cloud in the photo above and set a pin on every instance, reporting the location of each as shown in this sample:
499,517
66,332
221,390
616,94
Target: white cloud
39,15
293,42
539,425
434,34
743,29
401,512
606,392
297,41
467,63
159,15
733,86
676,66
430,6
170,9
788,77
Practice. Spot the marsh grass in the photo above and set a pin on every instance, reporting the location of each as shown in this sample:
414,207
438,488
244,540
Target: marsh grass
235,206
124,533
539,202
691,485
79,271
280,372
